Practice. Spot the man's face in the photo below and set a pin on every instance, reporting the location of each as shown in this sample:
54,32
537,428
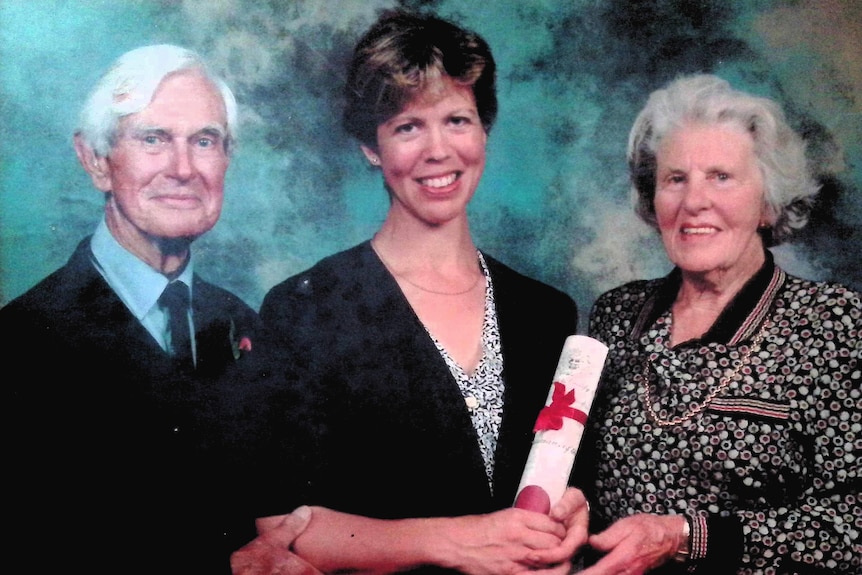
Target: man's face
165,172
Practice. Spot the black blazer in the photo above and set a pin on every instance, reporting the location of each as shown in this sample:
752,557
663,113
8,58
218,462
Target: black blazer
392,435
113,453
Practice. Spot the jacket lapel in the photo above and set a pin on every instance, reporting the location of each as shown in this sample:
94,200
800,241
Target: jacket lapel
431,383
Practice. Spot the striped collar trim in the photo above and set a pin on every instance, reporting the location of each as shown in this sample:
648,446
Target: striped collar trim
739,320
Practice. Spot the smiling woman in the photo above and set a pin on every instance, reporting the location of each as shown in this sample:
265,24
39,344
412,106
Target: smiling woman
709,206
432,156
725,378
418,335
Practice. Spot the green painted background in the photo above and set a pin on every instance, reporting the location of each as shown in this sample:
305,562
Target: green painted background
553,202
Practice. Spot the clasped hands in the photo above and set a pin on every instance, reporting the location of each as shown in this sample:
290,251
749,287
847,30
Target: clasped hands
505,542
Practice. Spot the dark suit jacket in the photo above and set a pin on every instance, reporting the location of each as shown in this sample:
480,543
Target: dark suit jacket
393,436
113,453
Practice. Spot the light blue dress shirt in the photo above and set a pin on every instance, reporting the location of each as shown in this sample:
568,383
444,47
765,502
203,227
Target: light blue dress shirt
137,284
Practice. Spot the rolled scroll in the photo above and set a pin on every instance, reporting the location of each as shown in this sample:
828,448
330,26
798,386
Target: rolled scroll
560,424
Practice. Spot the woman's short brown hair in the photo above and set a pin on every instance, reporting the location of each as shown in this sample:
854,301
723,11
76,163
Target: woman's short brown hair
404,53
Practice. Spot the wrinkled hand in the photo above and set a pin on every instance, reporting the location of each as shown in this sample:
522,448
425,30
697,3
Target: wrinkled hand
504,542
269,553
636,544
573,512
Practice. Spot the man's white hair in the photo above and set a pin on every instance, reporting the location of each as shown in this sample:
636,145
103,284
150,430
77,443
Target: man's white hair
129,85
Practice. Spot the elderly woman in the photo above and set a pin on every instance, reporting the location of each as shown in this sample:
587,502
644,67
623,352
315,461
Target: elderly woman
427,361
725,435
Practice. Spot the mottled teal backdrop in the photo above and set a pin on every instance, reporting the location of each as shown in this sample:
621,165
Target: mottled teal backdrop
553,202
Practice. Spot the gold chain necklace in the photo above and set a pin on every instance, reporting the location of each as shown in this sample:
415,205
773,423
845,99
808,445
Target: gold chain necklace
429,290
715,392
472,286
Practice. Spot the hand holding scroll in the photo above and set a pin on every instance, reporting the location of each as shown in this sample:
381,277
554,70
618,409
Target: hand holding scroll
560,424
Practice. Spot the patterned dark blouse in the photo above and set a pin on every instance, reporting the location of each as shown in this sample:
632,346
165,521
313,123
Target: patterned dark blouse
754,430
483,390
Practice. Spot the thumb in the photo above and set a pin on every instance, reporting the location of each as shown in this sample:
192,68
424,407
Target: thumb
572,501
285,528
603,541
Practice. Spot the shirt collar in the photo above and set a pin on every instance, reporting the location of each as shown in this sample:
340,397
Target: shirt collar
737,319
136,283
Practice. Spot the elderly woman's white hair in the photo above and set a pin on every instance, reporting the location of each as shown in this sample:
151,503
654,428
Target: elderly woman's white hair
789,186
129,85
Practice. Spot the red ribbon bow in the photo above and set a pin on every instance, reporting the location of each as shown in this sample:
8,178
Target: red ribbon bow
551,417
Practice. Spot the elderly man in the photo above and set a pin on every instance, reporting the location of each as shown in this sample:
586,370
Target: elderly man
117,450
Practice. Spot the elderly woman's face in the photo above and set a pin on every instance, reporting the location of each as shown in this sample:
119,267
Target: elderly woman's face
432,154
709,200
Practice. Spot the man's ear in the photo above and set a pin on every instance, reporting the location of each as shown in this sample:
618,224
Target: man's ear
96,166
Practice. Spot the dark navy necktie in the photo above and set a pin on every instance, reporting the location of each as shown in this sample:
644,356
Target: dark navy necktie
175,300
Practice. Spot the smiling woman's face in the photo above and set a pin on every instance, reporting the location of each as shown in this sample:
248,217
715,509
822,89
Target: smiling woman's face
433,154
709,199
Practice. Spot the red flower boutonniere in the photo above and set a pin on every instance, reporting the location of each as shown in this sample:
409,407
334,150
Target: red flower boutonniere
551,417
238,345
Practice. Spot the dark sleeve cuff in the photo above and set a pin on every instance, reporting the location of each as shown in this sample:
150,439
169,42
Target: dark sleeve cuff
716,545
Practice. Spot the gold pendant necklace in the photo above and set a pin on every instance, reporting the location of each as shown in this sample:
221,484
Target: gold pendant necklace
723,384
